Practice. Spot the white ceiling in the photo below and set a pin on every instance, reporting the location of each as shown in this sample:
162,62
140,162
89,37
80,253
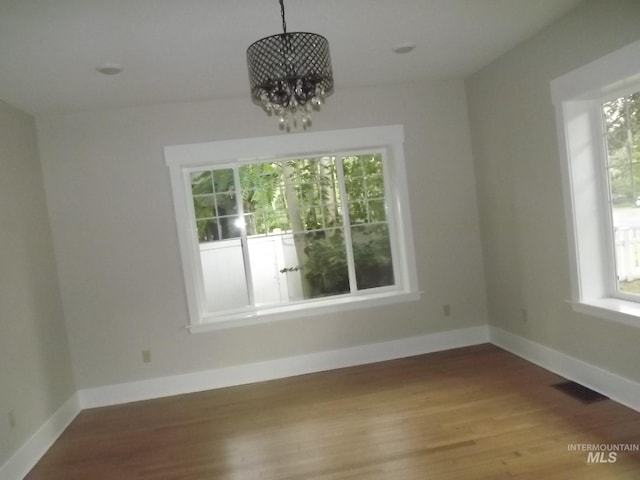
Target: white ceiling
188,50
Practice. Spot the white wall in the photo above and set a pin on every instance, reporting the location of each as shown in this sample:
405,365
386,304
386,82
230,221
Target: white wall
515,151
35,368
117,251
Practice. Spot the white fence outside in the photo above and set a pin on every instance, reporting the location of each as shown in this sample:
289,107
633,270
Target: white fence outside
223,272
627,251
224,279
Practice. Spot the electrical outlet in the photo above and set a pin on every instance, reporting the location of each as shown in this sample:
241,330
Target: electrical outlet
12,419
146,356
446,310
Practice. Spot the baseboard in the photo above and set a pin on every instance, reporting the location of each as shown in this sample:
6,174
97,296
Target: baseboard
617,388
280,368
30,453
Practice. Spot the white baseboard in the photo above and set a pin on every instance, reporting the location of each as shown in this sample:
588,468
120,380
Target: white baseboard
617,388
32,451
286,367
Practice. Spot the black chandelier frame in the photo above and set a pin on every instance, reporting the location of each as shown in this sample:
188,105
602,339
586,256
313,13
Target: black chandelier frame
290,71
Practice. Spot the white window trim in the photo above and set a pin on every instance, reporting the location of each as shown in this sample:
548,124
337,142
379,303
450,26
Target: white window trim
181,158
577,97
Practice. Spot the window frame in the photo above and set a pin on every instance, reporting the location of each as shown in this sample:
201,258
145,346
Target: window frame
387,140
577,97
606,194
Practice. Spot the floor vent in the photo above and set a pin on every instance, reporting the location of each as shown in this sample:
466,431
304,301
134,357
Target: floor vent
579,392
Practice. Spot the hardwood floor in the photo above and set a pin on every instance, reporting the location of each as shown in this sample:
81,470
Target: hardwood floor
471,413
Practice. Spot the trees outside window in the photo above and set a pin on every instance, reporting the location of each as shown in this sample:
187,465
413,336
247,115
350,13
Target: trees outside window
621,123
326,216
621,117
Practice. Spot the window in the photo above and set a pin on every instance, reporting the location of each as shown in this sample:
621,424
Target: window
621,122
598,118
292,225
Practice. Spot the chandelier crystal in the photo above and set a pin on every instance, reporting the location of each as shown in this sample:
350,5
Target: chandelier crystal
290,74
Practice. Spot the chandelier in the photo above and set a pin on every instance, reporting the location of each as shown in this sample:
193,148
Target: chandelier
290,74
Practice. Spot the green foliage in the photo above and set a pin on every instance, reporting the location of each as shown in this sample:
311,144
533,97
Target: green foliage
365,188
214,203
262,197
314,189
622,128
303,196
326,265
372,256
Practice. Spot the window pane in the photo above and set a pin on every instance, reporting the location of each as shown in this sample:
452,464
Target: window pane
621,120
275,270
263,194
279,221
223,180
376,210
356,189
365,189
353,166
291,267
358,212
621,185
375,186
204,206
207,230
325,270
259,183
332,215
201,182
226,204
230,227
309,187
223,275
372,256
314,218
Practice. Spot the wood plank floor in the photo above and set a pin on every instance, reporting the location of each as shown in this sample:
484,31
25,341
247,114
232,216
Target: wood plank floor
471,413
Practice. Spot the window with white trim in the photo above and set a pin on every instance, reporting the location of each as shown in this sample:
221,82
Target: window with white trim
291,225
621,125
598,118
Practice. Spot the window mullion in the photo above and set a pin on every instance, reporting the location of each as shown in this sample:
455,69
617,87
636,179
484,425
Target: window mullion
243,237
346,226
392,225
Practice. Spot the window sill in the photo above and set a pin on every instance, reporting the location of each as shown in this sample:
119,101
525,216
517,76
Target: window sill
303,310
614,309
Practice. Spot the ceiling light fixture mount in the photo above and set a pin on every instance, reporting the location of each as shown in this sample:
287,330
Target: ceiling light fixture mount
404,47
290,74
109,68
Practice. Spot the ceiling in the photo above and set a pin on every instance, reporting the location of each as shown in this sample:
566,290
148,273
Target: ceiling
194,50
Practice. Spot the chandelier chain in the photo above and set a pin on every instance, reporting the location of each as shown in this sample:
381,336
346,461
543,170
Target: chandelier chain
284,23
